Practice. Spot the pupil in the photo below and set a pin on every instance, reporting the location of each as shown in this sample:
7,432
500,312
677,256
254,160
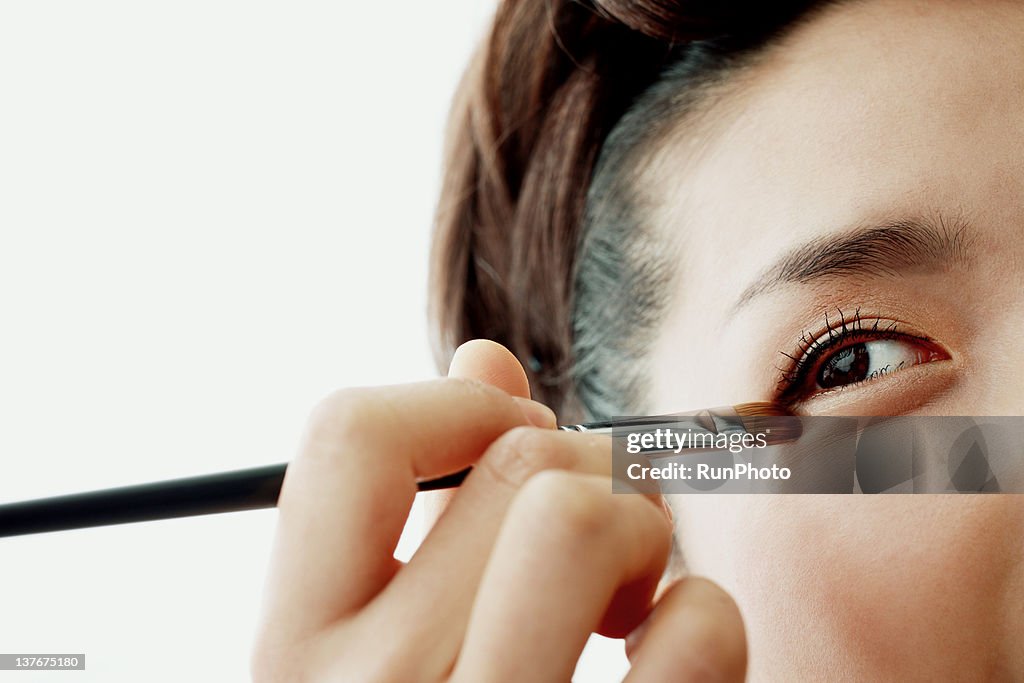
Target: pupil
846,367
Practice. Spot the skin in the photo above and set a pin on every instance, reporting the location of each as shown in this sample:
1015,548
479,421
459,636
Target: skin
497,590
870,112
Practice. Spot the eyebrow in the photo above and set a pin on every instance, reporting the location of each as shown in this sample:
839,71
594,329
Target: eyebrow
885,250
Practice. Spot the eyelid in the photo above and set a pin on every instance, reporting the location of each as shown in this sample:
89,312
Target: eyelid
833,331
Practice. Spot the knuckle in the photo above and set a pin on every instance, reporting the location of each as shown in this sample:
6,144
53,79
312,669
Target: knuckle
341,414
520,453
567,506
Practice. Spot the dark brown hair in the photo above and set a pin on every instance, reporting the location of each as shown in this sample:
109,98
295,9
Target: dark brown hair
538,241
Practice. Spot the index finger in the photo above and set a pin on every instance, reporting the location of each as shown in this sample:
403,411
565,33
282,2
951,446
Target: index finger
347,494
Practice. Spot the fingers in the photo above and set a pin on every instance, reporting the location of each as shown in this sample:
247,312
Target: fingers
695,633
346,495
491,363
464,537
565,550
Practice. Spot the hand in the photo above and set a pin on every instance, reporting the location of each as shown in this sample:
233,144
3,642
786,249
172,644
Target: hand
532,554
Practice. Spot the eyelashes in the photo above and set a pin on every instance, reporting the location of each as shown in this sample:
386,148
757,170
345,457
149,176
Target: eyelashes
852,350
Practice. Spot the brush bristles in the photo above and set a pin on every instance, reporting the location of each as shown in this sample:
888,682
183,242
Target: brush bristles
777,423
761,409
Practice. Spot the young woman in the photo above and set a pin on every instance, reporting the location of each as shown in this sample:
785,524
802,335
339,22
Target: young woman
658,206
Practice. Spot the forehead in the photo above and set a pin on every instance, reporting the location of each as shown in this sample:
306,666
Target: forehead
869,111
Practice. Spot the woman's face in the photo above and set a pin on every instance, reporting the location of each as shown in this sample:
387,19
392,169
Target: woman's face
870,169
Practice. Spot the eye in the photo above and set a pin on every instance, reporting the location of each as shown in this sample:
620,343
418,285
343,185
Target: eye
870,360
855,353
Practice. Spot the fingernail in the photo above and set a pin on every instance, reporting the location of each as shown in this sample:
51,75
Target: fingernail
538,414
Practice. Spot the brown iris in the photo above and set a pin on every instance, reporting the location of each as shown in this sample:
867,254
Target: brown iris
848,366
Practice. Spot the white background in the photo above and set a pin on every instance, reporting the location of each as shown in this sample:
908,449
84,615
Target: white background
211,214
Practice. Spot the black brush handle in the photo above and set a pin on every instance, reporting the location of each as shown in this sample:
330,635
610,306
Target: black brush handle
249,489
260,487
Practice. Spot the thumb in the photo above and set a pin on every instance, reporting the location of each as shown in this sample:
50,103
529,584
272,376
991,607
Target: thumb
491,363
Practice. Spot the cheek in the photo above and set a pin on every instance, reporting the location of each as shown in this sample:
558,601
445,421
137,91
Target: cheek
882,584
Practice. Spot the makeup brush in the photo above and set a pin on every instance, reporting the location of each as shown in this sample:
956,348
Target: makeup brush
259,487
